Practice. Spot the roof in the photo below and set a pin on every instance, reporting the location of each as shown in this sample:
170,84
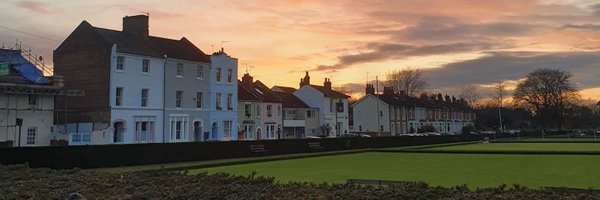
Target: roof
127,42
290,100
330,92
259,91
180,49
244,94
152,46
284,89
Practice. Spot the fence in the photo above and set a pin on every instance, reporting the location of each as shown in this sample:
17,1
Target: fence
96,156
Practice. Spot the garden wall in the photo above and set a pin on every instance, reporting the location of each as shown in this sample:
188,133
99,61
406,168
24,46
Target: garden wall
96,156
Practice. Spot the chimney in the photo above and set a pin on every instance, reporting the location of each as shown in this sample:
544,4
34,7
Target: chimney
388,90
305,81
327,84
370,89
448,99
453,99
439,97
137,25
247,80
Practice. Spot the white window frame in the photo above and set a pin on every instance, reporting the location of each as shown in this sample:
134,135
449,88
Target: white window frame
229,101
218,75
200,72
145,66
229,75
179,70
227,129
119,92
31,135
218,101
270,131
178,99
144,97
182,130
199,100
269,110
120,63
147,135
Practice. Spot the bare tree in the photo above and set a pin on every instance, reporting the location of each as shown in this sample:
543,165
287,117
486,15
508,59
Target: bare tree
471,94
547,93
410,80
500,92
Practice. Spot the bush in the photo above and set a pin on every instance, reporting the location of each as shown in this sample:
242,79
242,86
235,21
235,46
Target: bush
468,129
20,182
426,128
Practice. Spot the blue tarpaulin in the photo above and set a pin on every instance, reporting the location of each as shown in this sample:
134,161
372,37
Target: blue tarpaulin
23,67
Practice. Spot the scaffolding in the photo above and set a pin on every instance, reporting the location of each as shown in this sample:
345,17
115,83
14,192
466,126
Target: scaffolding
36,60
20,89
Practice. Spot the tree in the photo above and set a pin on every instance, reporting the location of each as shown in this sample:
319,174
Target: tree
409,80
471,94
547,93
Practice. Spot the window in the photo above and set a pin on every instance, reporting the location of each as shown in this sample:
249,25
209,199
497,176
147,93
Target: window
31,135
178,98
145,66
381,113
257,110
144,97
269,110
218,101
248,131
227,129
229,75
120,61
179,70
229,101
199,72
330,105
178,129
271,131
309,114
32,99
198,99
247,109
144,129
119,97
218,75
279,111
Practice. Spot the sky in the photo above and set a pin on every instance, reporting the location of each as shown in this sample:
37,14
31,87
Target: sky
456,43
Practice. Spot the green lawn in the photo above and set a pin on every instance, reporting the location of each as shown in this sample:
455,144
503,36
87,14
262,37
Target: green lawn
523,147
475,170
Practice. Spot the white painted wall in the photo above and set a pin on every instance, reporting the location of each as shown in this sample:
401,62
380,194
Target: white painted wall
39,116
366,115
133,80
224,62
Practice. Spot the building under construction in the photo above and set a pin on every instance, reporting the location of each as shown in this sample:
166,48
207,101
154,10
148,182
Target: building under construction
27,97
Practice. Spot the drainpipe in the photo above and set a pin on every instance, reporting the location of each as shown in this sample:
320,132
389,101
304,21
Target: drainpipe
164,97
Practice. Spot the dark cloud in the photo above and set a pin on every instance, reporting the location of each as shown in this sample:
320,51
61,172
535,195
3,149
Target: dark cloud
381,52
35,6
515,65
436,31
582,26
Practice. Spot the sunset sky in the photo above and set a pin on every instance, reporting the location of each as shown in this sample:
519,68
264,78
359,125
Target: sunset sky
455,42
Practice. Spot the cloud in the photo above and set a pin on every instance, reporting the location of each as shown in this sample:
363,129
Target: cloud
377,52
582,26
499,66
35,6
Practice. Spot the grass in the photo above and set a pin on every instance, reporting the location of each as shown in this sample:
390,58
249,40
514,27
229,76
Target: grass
567,147
474,170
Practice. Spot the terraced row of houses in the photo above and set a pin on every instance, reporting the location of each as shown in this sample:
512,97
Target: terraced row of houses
128,87
391,113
